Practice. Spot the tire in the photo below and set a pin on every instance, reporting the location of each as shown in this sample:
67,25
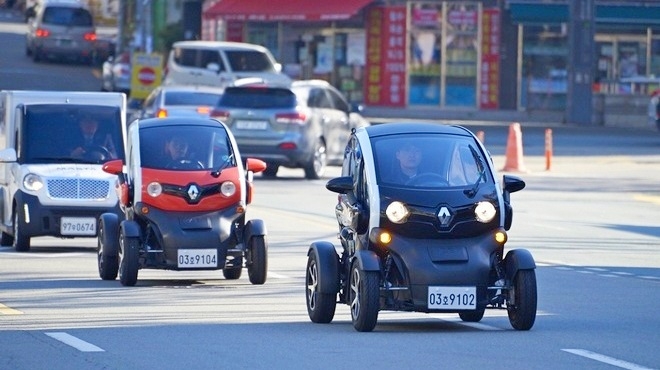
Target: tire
257,260
316,168
270,171
129,252
21,242
106,251
472,316
36,57
6,239
363,298
320,306
521,306
233,273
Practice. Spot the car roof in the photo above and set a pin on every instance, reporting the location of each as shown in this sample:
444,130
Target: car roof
178,121
403,128
319,83
218,44
191,88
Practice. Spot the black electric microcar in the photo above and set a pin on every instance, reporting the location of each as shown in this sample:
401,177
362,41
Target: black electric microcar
423,222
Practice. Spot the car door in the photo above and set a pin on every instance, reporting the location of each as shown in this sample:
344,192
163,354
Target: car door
333,122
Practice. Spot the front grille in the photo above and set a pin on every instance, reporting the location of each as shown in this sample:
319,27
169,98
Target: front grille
78,189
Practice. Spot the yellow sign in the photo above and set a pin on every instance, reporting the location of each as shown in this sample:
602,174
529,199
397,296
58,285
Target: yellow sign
146,74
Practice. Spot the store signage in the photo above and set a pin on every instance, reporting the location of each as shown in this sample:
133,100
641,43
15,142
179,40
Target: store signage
386,56
490,60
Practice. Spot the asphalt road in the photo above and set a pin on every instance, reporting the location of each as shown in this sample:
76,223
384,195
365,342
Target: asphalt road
590,221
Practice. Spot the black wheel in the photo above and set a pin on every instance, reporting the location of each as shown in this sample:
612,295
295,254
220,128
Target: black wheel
363,298
521,303
428,179
106,251
6,239
270,171
316,168
185,164
232,273
320,306
472,316
129,252
257,260
36,57
21,242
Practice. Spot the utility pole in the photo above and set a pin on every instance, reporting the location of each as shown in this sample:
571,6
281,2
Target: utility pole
581,50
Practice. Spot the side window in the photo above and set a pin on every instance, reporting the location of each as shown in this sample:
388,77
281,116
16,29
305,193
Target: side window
185,57
348,164
207,57
338,101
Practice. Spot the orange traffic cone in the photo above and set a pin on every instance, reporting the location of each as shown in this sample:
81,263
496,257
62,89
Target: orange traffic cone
514,150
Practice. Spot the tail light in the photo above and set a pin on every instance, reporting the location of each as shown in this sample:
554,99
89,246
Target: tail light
296,118
203,110
220,114
90,36
42,32
162,113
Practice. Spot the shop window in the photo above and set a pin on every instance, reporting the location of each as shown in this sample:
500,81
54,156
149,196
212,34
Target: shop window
425,53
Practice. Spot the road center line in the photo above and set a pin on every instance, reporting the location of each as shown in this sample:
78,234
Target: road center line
606,359
9,311
74,342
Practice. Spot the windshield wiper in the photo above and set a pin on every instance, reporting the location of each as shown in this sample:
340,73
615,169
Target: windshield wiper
224,165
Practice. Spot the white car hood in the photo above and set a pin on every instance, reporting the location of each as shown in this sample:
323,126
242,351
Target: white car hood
68,170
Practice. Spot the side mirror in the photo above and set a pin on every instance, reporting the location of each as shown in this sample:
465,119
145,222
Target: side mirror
255,165
114,167
278,67
340,185
513,184
8,155
213,67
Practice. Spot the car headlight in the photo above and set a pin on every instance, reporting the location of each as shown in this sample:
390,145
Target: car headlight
484,212
154,189
397,212
33,182
227,188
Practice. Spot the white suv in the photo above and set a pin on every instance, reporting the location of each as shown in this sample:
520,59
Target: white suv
220,63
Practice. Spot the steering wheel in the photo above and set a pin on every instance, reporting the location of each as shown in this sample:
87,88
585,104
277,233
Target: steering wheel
428,179
97,153
185,164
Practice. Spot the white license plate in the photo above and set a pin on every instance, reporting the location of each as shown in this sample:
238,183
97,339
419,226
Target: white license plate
452,297
78,226
197,258
251,125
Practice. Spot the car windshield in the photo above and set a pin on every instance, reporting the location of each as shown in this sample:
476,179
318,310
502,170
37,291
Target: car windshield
185,148
429,161
191,98
258,98
249,61
54,132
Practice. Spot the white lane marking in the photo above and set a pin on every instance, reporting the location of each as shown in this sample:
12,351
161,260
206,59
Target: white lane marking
277,276
605,359
74,342
649,277
8,310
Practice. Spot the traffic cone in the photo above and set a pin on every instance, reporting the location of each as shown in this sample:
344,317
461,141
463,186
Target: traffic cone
514,150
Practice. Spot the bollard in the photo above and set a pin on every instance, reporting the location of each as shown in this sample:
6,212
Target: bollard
548,149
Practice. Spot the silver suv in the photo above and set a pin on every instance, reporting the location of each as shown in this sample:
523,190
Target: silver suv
61,29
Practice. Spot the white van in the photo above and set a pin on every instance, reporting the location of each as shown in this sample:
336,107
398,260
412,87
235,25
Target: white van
220,63
52,147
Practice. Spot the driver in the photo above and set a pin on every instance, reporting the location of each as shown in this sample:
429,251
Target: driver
409,156
90,137
177,148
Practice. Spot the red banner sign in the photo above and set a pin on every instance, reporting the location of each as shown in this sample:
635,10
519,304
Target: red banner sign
490,60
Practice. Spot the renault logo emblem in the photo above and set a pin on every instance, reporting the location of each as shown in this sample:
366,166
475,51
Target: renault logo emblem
193,192
444,216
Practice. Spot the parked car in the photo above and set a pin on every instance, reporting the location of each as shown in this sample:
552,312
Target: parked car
422,224
180,101
116,73
303,126
61,29
220,63
184,193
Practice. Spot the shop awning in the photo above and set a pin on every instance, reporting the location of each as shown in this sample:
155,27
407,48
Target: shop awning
285,10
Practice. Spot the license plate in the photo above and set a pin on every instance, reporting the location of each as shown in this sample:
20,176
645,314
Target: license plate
251,125
197,258
452,297
64,42
78,226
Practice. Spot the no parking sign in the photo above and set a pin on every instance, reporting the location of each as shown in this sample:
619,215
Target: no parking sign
147,73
